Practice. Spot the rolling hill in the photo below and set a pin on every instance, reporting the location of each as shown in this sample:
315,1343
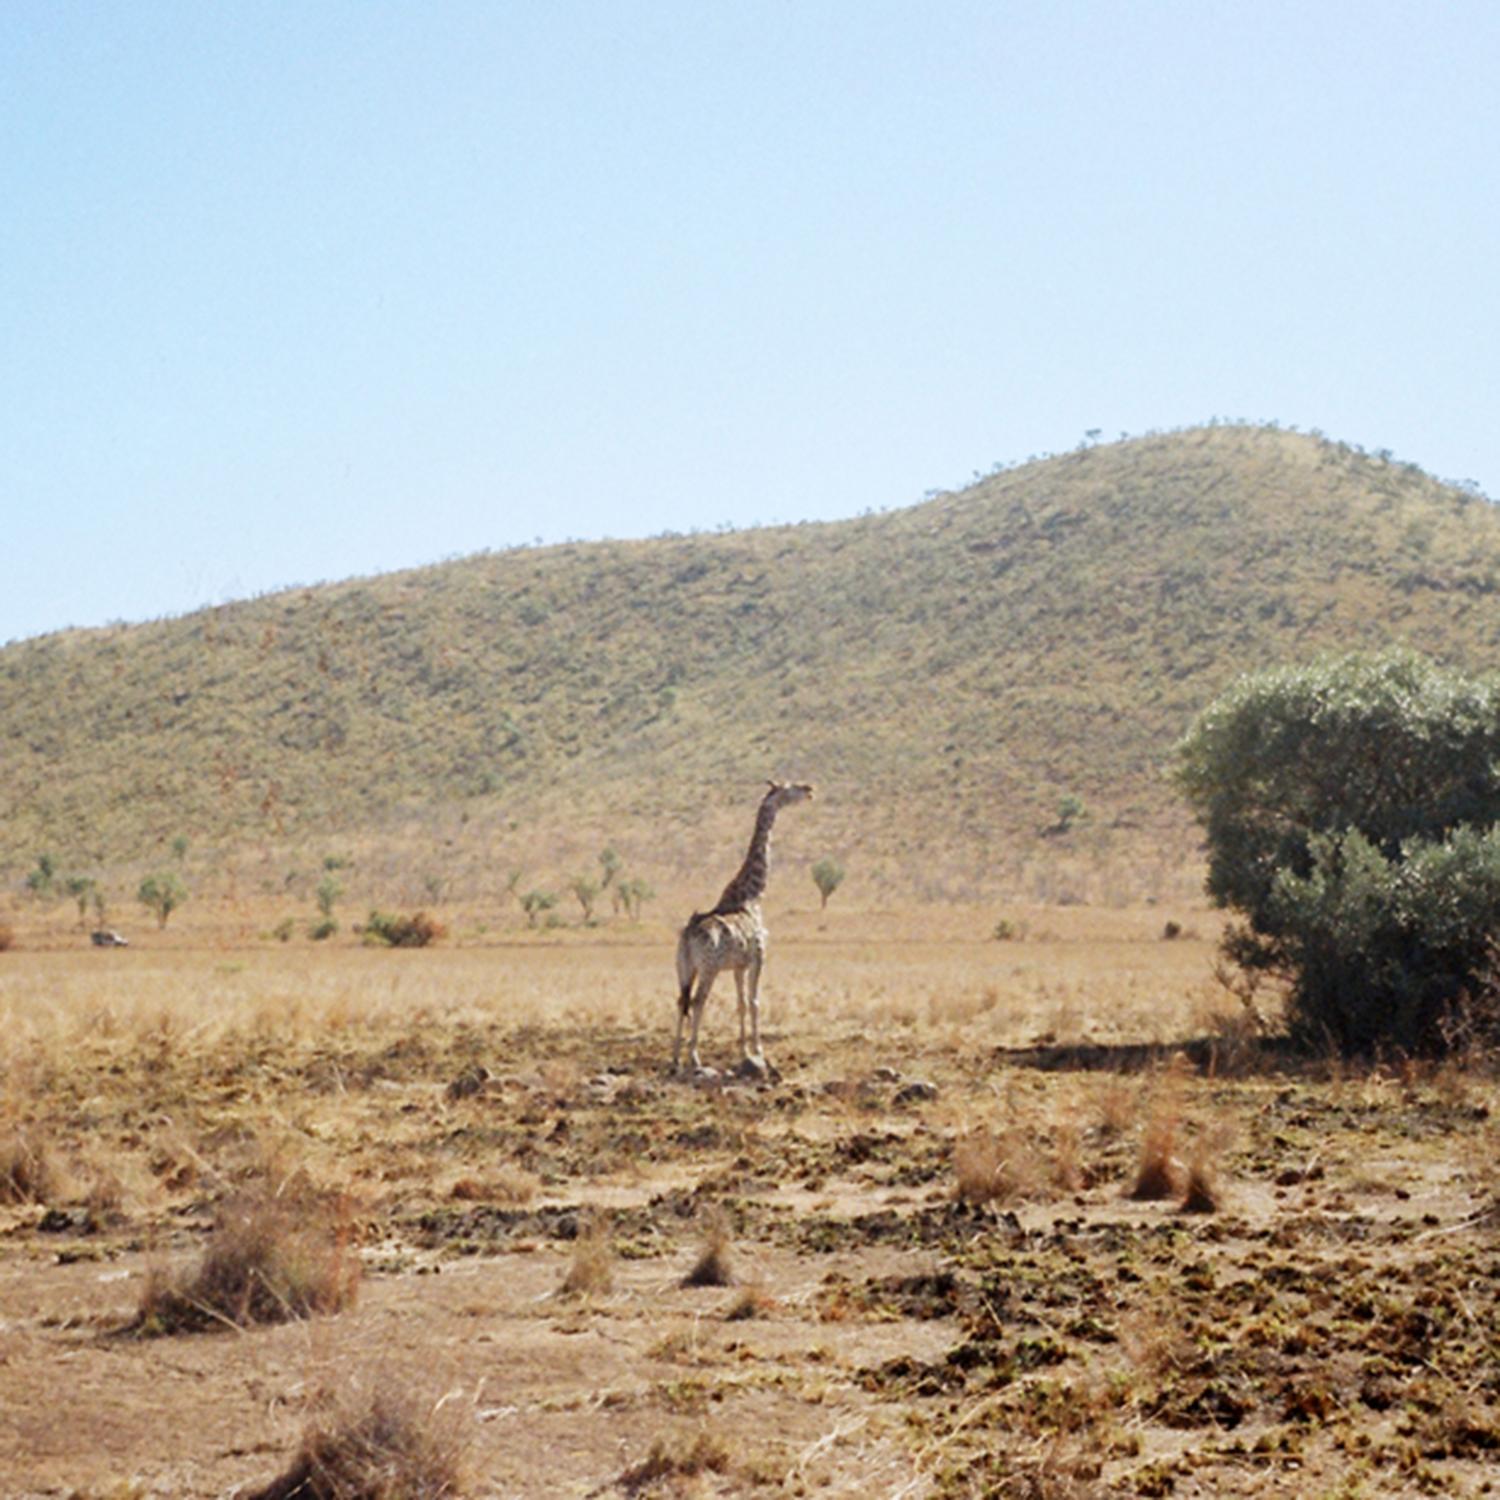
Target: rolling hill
946,673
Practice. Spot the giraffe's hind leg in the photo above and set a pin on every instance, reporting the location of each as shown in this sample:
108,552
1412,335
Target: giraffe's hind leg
698,1001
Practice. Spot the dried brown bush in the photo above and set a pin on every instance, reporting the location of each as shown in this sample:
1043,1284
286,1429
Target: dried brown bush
389,1447
1158,1174
7,937
712,1268
274,1255
28,1173
395,931
672,1460
592,1268
1001,1168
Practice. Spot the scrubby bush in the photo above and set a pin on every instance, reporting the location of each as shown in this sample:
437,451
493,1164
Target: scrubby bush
275,1254
415,931
535,902
828,876
1351,810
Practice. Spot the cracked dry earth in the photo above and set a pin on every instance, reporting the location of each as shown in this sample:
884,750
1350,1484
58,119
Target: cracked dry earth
942,1296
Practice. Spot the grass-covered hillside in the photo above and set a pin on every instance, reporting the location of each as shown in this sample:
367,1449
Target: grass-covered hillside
947,674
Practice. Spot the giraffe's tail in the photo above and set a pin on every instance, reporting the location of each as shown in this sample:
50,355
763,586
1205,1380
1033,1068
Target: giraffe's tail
685,968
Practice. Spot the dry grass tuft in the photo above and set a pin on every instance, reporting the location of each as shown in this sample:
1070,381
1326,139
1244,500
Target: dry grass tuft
1158,1174
592,1269
508,1185
712,1268
28,1173
753,1302
274,1255
1201,1191
1001,1168
390,1447
668,1460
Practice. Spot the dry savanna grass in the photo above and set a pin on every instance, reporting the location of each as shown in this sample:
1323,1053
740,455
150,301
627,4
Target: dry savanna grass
28,1170
677,1458
386,1444
504,1115
276,1252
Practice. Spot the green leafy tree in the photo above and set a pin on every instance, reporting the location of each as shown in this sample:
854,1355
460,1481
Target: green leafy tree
611,864
1351,809
828,876
162,893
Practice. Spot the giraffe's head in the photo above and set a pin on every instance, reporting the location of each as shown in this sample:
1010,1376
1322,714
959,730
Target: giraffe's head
784,794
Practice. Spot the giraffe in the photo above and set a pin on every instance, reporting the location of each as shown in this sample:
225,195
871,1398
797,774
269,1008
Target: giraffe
732,936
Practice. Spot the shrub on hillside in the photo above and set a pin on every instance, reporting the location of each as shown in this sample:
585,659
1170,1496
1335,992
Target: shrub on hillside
393,931
1351,809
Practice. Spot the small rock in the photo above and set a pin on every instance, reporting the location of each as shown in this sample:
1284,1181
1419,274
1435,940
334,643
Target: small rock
884,1074
918,1091
468,1083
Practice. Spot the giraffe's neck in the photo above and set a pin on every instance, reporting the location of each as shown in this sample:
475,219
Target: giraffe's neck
750,884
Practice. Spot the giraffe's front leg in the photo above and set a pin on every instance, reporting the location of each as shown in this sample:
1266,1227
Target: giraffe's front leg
739,987
753,984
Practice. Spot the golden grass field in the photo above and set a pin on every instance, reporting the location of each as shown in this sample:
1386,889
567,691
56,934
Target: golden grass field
937,1292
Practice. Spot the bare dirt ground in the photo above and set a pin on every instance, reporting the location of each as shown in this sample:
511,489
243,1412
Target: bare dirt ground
944,1289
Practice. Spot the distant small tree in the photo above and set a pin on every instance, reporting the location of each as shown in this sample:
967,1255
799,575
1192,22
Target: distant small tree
586,891
180,847
828,876
327,892
610,863
40,881
635,893
162,893
80,888
1070,810
535,902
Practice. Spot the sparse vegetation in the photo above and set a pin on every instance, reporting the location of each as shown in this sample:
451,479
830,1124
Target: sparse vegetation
1335,1306
427,674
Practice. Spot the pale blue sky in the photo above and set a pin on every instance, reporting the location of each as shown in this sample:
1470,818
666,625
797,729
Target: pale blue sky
292,292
